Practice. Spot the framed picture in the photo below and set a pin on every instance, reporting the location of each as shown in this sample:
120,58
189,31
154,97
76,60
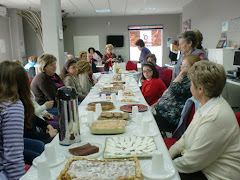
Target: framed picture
220,43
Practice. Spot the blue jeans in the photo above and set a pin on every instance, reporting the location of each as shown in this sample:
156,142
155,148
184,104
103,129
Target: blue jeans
32,149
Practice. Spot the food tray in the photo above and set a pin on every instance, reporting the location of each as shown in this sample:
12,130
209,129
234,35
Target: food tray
129,146
108,127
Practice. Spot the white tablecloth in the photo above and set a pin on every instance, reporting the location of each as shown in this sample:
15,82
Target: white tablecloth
86,136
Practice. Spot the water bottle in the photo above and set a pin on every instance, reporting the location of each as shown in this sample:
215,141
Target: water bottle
110,70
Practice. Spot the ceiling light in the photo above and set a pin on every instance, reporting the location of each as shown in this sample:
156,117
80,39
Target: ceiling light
148,9
103,10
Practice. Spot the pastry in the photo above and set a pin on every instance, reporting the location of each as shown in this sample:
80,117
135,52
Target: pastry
129,146
114,115
128,100
95,169
107,127
106,106
84,150
128,108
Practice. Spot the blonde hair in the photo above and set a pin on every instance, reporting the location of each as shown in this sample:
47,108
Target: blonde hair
81,53
18,61
191,58
45,60
109,46
210,76
83,67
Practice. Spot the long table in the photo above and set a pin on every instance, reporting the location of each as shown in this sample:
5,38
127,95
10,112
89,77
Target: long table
86,136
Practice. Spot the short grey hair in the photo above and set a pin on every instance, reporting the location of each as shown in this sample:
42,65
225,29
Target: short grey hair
210,76
189,36
45,60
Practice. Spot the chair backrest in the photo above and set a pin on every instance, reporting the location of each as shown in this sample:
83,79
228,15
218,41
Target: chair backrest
167,76
187,115
238,118
31,72
131,66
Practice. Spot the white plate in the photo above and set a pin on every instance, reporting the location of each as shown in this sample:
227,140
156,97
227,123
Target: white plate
60,158
144,134
69,155
34,176
93,96
167,173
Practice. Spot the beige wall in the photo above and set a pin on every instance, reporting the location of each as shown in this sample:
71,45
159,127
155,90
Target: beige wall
207,16
119,26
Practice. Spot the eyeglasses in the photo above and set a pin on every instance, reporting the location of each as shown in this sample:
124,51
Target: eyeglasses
147,71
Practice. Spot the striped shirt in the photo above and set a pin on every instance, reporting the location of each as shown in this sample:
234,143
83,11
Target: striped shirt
11,140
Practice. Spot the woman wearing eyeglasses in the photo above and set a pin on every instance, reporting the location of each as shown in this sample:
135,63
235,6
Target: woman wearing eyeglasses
152,87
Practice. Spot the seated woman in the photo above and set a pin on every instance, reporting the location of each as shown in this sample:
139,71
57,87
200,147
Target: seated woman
152,87
210,147
187,45
84,69
96,55
40,130
45,84
152,58
16,110
82,55
70,78
32,61
40,111
170,105
91,62
109,58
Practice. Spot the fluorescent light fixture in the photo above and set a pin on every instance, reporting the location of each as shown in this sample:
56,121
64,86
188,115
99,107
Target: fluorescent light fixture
103,10
148,9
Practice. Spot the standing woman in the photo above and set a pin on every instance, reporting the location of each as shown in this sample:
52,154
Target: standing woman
152,87
45,84
96,55
144,51
109,58
16,110
69,77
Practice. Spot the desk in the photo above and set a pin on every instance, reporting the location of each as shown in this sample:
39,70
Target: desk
86,136
231,93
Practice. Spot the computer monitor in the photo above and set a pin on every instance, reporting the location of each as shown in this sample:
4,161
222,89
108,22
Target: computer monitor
236,61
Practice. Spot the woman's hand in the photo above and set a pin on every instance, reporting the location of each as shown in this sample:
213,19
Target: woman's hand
49,104
154,105
110,59
49,128
53,133
48,116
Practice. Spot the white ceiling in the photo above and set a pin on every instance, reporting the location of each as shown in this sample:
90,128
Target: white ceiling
83,8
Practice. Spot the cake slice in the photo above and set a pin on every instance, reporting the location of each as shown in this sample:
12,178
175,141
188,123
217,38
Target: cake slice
84,150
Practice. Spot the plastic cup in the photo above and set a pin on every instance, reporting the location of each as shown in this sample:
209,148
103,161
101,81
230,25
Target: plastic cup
43,170
127,86
120,94
134,110
113,97
98,109
50,153
157,163
138,117
145,126
90,117
103,97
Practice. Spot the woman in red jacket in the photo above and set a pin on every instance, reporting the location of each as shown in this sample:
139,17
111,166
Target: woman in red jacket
152,87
